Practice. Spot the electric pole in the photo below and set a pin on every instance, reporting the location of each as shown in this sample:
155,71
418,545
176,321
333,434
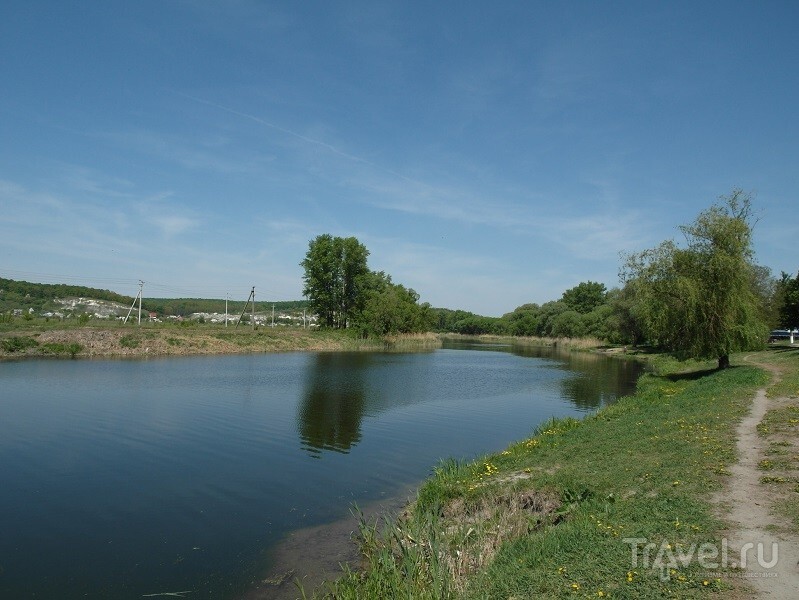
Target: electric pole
252,318
130,310
141,287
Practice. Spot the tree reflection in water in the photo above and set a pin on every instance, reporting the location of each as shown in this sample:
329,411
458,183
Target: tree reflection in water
332,406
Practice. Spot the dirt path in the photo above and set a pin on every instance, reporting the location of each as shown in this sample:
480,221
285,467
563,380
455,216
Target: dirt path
748,506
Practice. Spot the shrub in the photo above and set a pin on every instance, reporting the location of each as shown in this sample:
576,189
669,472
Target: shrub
18,343
129,341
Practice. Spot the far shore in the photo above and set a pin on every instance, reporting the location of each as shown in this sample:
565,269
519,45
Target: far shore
118,341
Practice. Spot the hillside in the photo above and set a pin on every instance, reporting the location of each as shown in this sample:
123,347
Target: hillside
46,297
16,295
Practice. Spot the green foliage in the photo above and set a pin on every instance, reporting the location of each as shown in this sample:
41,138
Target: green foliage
391,308
585,297
71,348
129,341
346,294
18,343
623,325
83,319
699,301
567,324
188,306
24,295
335,278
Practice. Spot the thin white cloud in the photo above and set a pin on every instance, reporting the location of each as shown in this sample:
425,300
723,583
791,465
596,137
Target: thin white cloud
218,155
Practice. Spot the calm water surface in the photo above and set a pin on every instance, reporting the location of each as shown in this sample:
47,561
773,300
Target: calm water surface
125,478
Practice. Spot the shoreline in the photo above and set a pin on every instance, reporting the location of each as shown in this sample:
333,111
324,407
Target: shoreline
549,516
166,341
111,341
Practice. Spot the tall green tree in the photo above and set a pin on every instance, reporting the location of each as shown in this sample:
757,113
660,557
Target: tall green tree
699,301
585,297
334,278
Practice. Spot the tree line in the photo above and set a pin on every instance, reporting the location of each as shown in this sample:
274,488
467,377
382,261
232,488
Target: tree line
705,298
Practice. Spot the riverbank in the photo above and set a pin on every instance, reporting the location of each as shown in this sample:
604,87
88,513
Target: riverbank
624,503
170,340
113,340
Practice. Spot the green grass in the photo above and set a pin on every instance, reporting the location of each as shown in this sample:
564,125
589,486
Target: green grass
547,517
58,349
130,341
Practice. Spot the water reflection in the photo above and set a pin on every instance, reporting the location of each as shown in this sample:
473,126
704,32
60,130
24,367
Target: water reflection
332,406
594,380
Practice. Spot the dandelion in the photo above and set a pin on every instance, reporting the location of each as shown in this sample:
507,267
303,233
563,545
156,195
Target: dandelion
600,593
575,586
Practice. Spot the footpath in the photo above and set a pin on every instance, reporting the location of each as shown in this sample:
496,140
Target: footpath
756,500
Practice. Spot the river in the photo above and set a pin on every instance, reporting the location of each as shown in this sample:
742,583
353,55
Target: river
122,478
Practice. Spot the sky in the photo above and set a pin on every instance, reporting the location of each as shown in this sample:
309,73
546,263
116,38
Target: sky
487,154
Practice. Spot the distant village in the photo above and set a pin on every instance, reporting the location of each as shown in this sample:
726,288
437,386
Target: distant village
108,310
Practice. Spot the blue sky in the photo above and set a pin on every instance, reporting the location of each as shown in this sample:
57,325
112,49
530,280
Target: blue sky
487,154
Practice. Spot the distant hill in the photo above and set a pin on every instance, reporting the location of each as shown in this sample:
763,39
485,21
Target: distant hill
187,306
41,296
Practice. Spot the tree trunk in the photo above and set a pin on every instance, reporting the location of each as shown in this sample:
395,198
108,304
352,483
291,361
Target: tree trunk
724,362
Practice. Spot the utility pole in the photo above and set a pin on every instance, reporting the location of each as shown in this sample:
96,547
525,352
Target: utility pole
252,318
303,318
273,315
227,297
141,287
130,310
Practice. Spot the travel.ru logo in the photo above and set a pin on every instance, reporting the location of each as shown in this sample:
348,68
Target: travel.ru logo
667,557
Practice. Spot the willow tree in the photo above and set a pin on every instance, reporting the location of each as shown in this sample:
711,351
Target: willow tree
699,301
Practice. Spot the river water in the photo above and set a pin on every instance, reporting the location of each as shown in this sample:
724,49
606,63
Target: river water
122,478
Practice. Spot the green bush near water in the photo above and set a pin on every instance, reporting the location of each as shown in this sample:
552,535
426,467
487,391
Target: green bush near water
57,348
18,343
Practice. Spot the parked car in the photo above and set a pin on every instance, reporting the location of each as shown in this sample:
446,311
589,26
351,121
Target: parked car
779,334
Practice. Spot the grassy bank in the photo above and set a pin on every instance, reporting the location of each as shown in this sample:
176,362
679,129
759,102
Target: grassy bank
548,517
172,340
